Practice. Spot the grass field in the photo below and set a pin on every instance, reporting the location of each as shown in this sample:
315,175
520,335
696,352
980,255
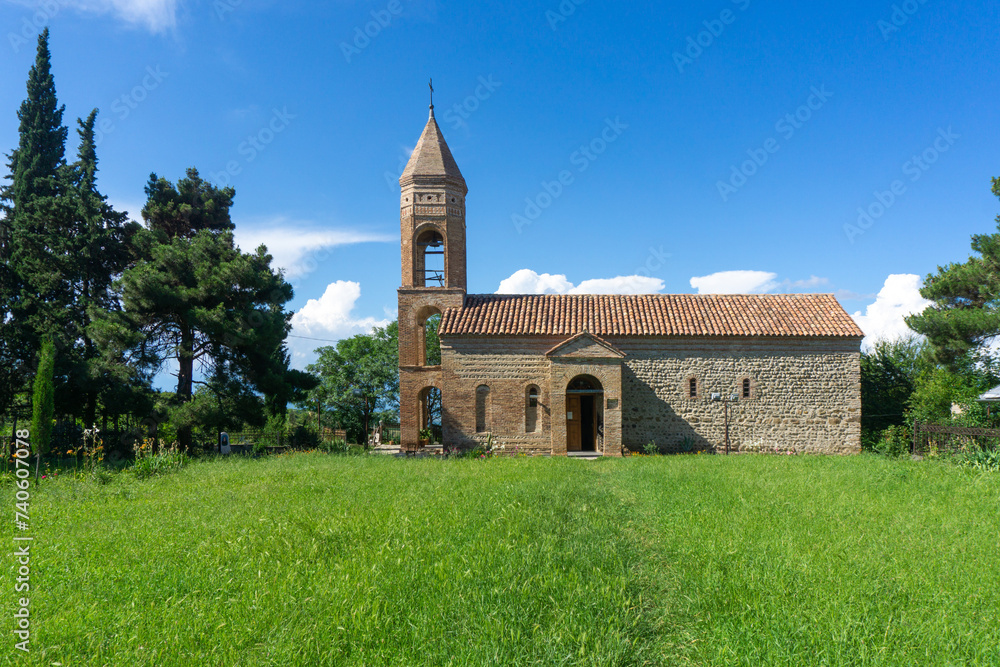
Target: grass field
333,560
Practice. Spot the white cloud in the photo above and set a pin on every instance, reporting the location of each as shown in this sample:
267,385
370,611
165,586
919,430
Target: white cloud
299,248
848,295
883,319
133,209
735,282
154,15
812,281
331,318
620,285
527,281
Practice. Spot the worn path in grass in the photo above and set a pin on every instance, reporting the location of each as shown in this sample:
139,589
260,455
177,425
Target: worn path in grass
315,559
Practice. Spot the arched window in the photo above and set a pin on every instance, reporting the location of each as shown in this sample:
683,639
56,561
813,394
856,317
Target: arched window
427,342
692,387
746,387
482,409
430,412
432,344
531,410
429,260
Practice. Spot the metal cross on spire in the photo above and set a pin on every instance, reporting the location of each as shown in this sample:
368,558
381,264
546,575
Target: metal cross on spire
430,84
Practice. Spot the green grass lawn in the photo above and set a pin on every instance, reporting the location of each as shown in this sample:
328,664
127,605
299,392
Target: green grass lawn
313,559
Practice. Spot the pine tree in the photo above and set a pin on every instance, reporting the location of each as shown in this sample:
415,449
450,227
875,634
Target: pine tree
43,400
196,298
966,296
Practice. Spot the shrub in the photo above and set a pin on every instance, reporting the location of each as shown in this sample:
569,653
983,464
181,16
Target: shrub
979,459
651,448
895,441
334,446
167,460
303,437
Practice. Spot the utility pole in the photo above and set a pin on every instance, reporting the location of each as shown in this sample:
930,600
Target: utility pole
732,398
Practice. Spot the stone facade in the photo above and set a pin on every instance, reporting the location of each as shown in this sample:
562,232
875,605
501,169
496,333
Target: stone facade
550,375
805,396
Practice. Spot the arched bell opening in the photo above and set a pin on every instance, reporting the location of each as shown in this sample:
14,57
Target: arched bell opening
429,259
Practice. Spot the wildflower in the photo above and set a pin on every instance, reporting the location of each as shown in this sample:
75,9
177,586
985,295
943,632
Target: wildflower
69,452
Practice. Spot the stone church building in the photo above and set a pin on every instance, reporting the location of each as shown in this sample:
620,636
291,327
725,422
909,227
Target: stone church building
559,374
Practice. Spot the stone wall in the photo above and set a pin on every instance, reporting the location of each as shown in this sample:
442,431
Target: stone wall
805,394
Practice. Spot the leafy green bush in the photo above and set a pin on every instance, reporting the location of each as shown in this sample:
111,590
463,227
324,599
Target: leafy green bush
166,460
651,448
895,441
303,437
979,459
334,446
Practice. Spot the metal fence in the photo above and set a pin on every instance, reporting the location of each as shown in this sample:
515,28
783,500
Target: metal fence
265,439
929,438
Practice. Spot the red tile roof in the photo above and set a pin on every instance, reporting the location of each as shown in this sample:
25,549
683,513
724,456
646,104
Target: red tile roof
650,315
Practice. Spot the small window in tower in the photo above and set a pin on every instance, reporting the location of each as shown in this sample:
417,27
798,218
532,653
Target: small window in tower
693,388
746,387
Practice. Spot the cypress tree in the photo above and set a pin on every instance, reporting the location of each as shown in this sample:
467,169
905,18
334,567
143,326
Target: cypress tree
100,253
36,293
43,400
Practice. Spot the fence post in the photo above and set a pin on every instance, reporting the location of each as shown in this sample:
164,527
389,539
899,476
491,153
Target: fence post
913,449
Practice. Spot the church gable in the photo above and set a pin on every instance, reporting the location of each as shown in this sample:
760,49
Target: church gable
585,346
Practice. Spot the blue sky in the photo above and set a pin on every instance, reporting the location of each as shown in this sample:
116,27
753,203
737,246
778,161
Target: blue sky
719,147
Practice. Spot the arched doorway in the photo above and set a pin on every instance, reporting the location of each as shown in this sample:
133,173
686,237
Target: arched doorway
430,414
584,414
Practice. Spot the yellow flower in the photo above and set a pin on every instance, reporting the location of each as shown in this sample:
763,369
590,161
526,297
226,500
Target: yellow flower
69,452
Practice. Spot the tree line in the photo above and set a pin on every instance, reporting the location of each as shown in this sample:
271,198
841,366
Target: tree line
94,306
937,374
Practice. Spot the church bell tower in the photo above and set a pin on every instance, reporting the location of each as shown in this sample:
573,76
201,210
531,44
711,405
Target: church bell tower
432,225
